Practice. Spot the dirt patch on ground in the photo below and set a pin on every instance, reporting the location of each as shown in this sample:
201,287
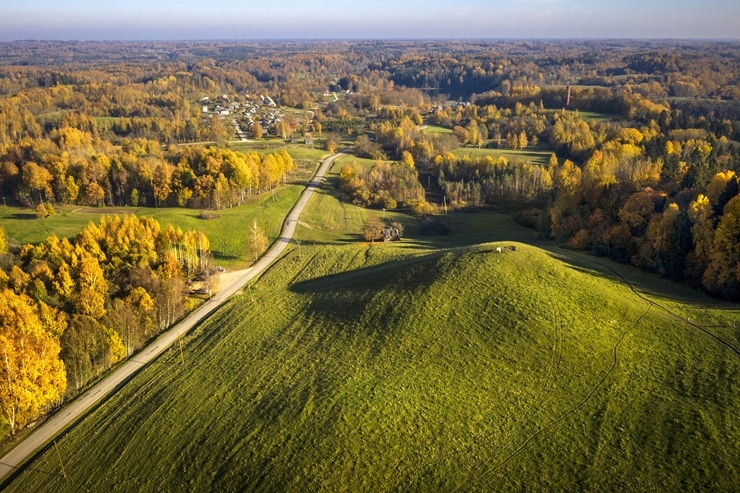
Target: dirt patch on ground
226,278
218,281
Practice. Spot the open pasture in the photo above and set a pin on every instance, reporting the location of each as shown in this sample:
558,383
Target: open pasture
427,365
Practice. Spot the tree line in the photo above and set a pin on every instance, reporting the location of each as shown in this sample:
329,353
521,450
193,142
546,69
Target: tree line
650,191
69,309
72,168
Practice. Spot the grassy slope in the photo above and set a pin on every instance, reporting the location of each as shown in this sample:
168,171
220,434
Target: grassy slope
401,366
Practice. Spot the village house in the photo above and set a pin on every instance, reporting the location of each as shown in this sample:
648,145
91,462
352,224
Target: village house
391,234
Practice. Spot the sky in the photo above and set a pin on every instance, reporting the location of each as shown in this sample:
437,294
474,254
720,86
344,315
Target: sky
363,19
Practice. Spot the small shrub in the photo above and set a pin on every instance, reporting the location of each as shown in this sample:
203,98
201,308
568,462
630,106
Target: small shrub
536,219
389,203
420,207
208,215
580,241
433,226
41,211
373,229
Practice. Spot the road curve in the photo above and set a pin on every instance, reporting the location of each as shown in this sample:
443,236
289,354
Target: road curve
74,411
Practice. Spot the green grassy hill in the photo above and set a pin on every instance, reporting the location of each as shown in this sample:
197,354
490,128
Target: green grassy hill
356,367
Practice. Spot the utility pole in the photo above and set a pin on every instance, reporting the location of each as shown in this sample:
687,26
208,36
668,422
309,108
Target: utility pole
179,339
64,473
151,182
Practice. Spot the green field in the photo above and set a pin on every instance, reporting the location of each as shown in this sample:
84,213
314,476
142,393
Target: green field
227,244
229,248
297,151
593,116
432,364
536,155
433,129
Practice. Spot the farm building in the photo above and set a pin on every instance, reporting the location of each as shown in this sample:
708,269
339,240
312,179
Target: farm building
391,234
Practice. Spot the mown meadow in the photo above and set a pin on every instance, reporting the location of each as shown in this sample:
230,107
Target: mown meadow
535,155
430,364
227,229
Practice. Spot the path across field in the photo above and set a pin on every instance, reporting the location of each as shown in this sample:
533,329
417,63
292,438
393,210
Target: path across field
74,411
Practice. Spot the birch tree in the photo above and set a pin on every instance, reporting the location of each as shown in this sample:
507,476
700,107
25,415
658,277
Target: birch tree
257,240
31,374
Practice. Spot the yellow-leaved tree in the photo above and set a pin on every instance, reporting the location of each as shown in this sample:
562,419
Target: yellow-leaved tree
92,288
3,241
32,375
257,242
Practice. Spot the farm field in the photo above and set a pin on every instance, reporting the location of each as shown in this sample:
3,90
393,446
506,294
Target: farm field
298,152
434,129
535,155
229,249
227,244
436,363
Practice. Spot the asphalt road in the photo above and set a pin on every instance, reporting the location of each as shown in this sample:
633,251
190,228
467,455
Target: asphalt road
75,410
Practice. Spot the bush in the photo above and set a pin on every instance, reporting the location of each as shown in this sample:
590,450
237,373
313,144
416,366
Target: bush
42,211
536,219
580,241
420,207
208,215
433,226
373,228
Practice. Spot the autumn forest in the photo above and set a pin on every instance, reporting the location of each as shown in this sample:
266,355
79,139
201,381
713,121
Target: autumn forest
628,150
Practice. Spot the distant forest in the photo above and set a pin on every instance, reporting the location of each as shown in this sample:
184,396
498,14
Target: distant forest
643,135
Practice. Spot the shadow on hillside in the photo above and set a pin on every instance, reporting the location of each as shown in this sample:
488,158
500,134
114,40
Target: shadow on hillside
23,216
325,186
405,275
223,256
352,238
370,300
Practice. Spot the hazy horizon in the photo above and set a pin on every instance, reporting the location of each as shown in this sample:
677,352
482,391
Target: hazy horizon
230,20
